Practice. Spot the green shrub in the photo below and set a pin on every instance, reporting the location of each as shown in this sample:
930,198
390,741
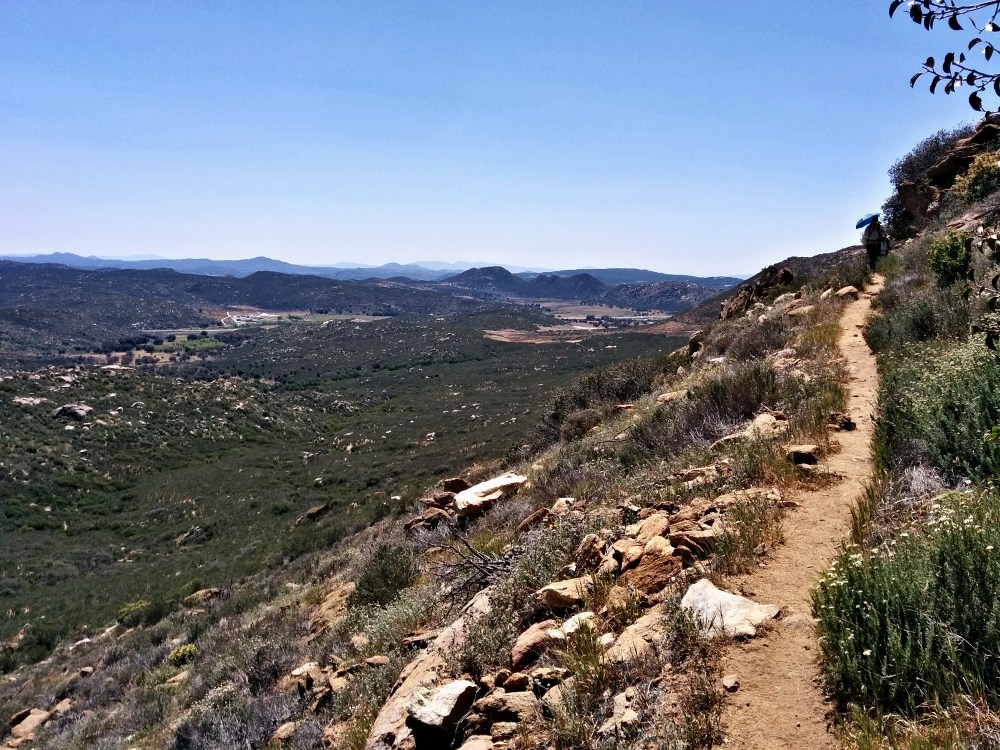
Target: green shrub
577,424
918,622
928,314
183,654
134,613
940,400
981,178
390,569
950,257
752,527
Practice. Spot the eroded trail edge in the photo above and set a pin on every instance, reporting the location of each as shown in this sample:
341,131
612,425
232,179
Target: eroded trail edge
779,703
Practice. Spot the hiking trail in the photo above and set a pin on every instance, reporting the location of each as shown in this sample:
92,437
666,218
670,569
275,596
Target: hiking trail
780,703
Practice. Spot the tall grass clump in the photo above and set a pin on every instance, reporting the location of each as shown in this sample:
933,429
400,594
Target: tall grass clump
731,394
916,623
603,389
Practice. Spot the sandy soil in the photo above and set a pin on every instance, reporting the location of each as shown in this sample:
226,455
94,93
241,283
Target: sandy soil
780,703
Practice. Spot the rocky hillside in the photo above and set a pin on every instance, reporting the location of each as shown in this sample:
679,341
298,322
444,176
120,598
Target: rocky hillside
567,597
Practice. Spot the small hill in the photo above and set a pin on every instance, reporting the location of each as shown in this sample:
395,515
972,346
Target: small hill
642,276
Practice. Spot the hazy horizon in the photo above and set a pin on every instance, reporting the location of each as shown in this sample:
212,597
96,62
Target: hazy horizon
681,140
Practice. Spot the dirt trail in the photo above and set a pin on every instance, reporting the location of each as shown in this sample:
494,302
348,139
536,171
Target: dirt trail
779,703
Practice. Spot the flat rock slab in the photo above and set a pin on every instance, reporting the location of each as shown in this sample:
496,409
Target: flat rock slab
443,707
480,497
721,613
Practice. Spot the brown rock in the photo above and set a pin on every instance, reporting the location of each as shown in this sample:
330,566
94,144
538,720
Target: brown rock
589,552
332,606
454,485
646,529
840,421
848,292
639,639
623,716
561,506
565,594
443,500
654,571
531,643
533,519
517,682
29,724
284,732
502,705
800,312
670,396
802,454
478,742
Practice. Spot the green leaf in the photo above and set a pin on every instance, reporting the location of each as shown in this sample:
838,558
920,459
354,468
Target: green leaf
934,83
996,86
915,77
894,6
953,23
974,42
975,101
916,13
971,79
946,63
991,27
929,62
988,52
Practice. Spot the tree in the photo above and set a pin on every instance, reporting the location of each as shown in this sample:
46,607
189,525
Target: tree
955,70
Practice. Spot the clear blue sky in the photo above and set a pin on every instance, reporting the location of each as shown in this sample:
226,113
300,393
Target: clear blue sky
687,137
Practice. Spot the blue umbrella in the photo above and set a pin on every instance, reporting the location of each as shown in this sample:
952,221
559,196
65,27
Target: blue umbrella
865,220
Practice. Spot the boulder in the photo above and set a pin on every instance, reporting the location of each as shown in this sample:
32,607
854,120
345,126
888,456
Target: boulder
331,607
390,728
79,412
657,567
670,396
565,594
442,708
721,613
284,732
840,421
827,293
801,312
649,527
443,500
517,682
590,552
531,643
639,639
848,292
562,506
503,706
768,425
28,723
481,497
571,625
802,454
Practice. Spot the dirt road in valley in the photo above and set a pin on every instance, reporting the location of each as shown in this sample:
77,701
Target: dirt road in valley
780,703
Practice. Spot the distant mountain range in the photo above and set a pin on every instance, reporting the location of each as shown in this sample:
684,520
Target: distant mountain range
424,271
672,295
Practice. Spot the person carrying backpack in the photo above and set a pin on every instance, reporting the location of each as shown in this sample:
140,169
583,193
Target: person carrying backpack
876,241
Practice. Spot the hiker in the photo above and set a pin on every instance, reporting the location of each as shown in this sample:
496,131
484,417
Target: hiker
876,241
